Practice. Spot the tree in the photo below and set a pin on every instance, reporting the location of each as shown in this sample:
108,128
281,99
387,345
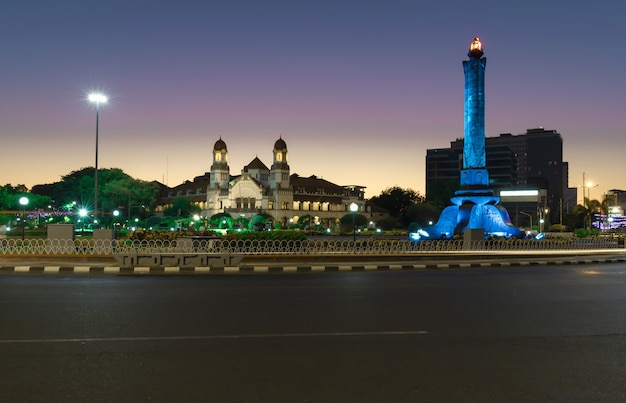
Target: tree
259,221
397,200
305,222
116,189
10,195
126,193
388,223
221,220
440,192
181,207
345,222
422,213
576,218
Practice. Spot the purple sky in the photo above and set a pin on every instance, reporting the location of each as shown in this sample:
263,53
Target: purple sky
359,90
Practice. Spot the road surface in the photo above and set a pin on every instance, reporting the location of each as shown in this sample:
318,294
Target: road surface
509,334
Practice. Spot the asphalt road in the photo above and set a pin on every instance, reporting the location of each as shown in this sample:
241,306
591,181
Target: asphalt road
522,334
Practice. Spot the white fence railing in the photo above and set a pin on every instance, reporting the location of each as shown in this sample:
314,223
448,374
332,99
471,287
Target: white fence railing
303,247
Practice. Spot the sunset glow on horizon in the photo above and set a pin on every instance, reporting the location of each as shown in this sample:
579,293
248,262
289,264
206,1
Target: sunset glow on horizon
358,90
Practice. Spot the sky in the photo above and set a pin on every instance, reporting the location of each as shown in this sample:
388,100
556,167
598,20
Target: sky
359,90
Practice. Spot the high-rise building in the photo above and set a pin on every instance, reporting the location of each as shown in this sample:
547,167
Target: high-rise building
530,160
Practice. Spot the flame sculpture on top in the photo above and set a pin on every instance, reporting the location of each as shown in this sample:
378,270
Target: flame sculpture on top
475,206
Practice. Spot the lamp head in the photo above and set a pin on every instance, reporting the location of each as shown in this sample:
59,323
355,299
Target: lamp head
97,98
476,49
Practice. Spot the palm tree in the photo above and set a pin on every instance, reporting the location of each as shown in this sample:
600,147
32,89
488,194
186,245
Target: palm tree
593,206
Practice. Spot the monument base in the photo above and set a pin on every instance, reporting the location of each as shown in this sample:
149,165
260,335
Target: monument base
473,209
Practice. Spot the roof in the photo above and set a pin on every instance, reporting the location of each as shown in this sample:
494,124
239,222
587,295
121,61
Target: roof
313,184
280,144
195,190
219,145
256,163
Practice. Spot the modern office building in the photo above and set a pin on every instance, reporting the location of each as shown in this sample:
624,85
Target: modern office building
533,160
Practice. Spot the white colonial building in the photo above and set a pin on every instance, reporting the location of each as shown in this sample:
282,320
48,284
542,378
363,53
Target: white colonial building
275,191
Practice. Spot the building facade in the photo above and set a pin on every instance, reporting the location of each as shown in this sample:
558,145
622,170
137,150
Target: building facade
286,196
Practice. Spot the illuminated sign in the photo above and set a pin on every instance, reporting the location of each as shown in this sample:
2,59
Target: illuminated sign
519,193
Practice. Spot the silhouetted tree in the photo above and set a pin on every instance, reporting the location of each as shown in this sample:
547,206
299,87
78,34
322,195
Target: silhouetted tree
181,207
388,223
345,222
422,213
440,192
397,200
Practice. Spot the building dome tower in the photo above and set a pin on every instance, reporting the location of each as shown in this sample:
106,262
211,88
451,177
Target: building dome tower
279,172
220,173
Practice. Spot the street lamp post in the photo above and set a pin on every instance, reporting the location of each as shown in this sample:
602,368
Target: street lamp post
353,207
98,99
116,213
82,213
23,202
529,216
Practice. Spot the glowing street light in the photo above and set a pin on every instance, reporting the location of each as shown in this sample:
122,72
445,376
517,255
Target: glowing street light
82,213
24,203
98,99
353,207
116,213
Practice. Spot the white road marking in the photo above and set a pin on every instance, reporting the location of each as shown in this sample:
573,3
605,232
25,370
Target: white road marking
216,337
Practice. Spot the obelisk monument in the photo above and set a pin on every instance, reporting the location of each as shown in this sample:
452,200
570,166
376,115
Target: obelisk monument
476,207
474,171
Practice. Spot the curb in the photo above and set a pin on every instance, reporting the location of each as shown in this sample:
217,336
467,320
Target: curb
255,269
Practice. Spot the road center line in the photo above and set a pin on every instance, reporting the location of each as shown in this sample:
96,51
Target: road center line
216,337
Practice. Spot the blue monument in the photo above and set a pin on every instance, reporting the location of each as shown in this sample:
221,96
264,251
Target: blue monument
475,206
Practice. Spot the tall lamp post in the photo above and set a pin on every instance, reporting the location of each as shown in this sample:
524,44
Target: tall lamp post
116,213
82,213
98,99
353,207
24,203
530,217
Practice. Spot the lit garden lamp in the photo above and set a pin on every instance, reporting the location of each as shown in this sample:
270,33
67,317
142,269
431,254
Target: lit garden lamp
354,207
24,203
97,99
82,213
116,213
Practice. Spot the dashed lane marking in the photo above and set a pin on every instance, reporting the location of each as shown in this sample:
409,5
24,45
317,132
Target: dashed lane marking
215,337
